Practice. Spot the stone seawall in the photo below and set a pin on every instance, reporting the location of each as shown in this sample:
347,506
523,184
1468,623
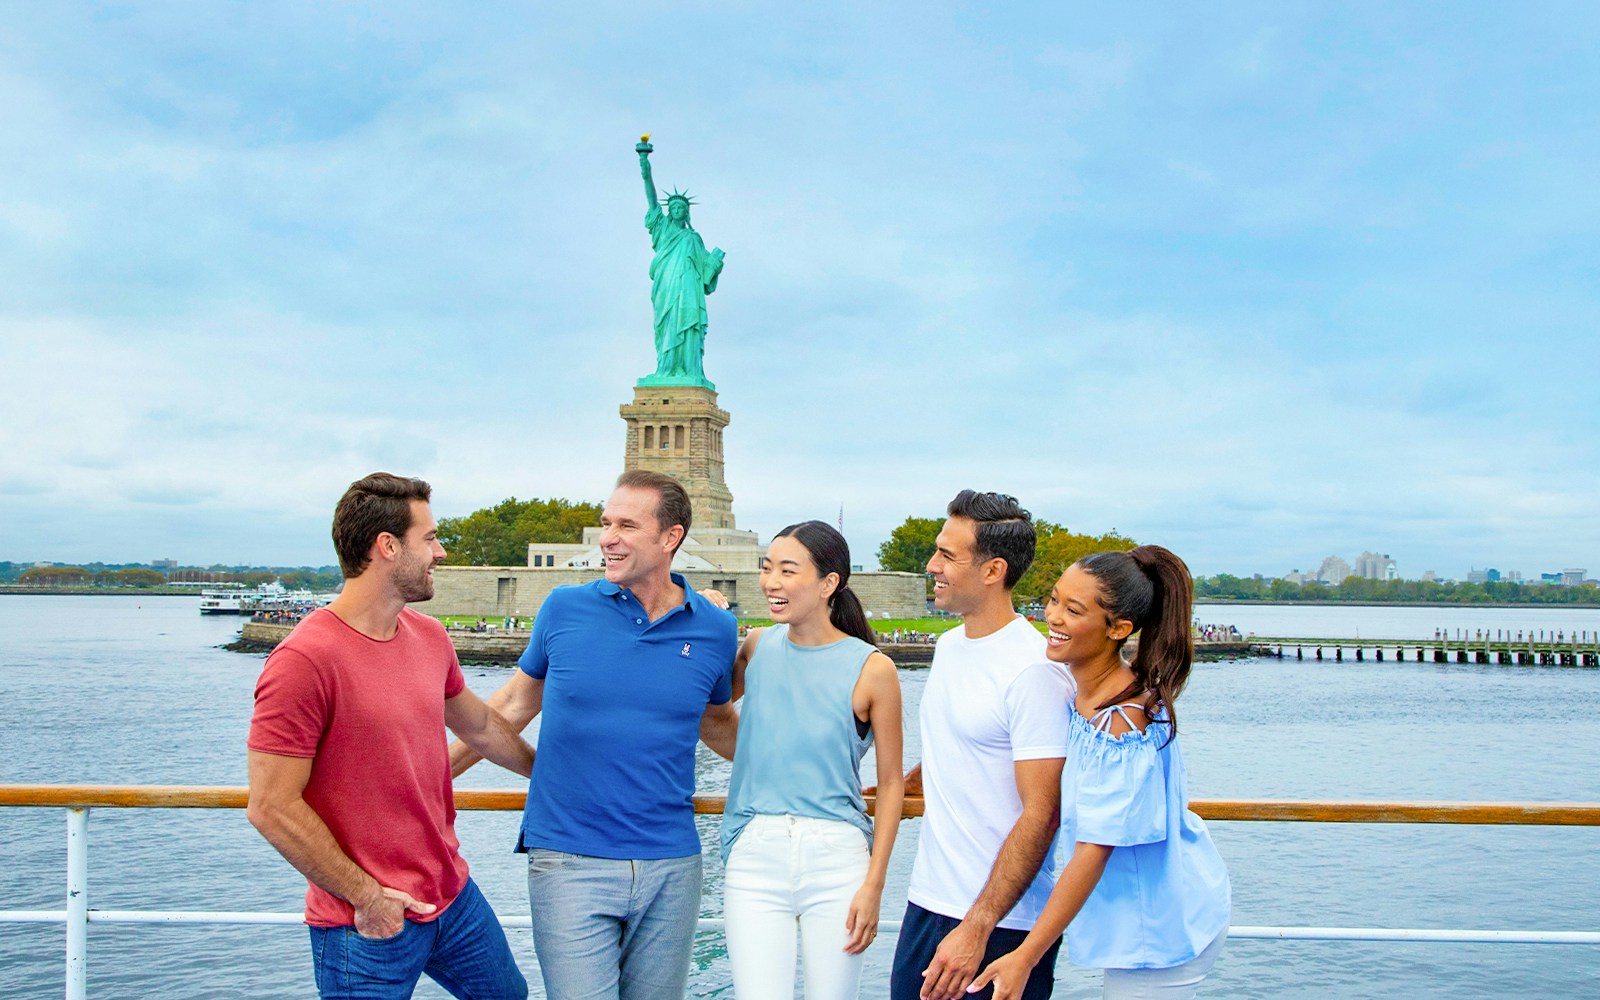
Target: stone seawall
502,646
502,591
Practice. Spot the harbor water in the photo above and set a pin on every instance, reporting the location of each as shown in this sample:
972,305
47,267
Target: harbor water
136,691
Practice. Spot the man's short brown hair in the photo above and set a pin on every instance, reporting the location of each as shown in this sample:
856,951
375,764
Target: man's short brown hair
371,506
672,500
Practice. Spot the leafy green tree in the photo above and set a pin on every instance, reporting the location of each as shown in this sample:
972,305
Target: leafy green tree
130,578
910,546
1058,548
500,535
56,576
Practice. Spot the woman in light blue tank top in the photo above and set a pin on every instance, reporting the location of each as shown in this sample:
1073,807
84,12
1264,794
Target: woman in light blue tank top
802,858
1145,895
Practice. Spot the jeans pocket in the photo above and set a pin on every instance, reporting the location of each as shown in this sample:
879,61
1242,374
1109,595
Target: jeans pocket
381,940
386,961
543,862
844,838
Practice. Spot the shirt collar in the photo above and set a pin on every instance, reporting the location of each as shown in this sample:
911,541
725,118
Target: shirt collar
690,598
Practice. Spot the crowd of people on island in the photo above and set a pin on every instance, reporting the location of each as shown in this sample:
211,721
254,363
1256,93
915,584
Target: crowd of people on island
510,623
1217,633
1054,791
281,616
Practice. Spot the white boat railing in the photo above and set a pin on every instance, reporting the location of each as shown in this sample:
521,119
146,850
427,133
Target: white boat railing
78,800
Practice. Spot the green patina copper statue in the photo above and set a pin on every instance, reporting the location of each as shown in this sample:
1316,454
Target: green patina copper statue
682,274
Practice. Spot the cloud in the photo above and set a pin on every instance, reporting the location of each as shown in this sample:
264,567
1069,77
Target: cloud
1261,287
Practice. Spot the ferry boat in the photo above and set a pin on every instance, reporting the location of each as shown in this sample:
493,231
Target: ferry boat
222,602
267,597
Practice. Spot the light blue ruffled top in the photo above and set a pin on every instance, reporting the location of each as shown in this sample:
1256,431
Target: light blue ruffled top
1165,894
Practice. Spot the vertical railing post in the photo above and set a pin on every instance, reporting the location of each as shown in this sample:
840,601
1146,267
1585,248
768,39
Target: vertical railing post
77,901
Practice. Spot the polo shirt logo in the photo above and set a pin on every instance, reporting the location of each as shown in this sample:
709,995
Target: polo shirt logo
684,651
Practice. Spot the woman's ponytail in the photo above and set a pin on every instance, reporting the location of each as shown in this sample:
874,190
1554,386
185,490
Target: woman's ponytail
1150,587
844,611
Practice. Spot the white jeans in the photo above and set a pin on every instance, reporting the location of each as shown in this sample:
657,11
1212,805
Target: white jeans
1181,982
787,873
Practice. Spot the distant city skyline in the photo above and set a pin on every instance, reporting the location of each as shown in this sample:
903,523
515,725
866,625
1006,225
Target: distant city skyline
1257,282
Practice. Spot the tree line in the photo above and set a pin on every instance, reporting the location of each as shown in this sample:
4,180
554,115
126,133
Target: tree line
1357,588
911,545
500,535
97,575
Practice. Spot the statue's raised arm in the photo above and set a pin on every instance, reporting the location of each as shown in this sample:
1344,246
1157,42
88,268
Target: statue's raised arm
644,150
682,274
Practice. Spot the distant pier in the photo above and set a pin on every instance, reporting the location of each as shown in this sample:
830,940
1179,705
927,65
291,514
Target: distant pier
1582,650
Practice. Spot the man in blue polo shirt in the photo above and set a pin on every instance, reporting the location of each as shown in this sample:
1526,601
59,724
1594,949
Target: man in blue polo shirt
629,672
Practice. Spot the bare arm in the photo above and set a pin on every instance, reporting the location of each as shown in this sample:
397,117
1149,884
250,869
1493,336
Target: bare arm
1009,973
279,811
719,726
959,955
517,702
877,696
487,733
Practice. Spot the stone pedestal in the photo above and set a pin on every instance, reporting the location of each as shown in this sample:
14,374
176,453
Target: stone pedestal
678,430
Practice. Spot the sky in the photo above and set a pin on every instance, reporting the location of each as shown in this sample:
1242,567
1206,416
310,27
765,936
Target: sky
1259,282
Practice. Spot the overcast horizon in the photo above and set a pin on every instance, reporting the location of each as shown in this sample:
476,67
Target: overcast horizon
1258,283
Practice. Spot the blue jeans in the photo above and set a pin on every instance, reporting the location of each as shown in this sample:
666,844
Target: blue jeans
464,951
613,930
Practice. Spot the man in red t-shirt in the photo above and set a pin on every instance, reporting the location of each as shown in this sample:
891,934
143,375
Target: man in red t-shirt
350,775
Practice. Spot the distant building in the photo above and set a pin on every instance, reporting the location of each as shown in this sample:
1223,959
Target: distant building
1573,577
1371,566
1490,575
164,565
1333,570
1513,576
1429,576
1296,577
1549,577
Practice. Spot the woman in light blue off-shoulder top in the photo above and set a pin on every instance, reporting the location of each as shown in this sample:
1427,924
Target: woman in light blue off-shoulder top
1144,896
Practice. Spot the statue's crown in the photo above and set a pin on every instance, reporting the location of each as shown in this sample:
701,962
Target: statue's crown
677,195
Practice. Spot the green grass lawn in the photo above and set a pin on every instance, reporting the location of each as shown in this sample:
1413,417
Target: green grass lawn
933,626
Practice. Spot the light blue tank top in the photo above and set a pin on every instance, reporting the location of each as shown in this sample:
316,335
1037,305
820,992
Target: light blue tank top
798,752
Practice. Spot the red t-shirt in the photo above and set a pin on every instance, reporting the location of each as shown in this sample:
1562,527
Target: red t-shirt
370,714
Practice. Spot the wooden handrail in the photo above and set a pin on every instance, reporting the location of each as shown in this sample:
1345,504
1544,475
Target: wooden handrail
1268,810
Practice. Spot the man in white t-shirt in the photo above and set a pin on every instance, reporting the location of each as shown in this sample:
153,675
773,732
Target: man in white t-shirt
994,735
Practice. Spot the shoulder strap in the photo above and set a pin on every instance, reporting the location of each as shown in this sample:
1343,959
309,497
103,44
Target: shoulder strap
1102,718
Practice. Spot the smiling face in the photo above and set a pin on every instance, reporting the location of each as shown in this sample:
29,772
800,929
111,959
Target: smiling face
419,553
958,574
634,545
794,590
1080,628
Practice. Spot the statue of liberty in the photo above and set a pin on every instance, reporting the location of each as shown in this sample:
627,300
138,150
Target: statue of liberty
682,274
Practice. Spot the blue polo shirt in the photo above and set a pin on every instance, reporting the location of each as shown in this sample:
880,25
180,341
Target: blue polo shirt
623,697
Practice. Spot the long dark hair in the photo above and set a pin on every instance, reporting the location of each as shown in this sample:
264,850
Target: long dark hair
1150,587
831,554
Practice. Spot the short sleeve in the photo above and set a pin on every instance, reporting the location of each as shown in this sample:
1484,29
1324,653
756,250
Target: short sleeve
535,660
1037,704
291,707
454,681
722,690
1121,794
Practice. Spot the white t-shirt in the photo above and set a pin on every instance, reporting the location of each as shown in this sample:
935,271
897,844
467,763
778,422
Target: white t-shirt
989,702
